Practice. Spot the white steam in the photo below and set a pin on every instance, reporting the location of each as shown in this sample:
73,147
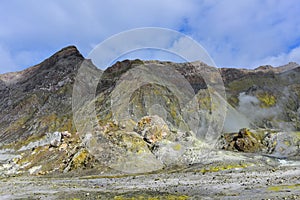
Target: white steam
250,107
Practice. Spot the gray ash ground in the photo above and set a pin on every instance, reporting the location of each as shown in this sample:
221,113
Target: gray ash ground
254,182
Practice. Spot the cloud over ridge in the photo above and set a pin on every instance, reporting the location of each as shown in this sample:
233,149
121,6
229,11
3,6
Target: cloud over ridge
235,33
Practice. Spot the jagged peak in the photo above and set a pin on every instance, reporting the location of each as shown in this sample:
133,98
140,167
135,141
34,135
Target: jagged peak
69,50
64,53
264,67
279,69
126,64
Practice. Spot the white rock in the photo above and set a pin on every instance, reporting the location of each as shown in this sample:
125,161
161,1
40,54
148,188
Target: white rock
34,169
66,134
55,139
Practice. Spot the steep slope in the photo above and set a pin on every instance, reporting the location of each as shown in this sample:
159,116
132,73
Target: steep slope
136,99
268,96
38,100
141,116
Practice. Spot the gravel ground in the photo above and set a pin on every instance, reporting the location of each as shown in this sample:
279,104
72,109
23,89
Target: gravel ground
247,183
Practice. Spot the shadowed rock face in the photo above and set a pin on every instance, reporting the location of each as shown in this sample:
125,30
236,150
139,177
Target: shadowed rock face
38,99
269,142
37,102
269,97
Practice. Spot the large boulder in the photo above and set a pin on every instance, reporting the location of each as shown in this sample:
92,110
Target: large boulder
152,129
270,142
55,139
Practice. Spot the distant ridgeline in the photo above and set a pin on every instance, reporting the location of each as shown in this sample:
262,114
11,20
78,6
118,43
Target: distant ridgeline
148,125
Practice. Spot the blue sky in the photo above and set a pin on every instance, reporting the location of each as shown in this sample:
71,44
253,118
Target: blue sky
245,33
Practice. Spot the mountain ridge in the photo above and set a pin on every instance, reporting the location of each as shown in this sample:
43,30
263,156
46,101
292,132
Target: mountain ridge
71,49
154,112
60,69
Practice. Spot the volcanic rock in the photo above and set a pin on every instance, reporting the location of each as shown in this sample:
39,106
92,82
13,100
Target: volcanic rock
141,110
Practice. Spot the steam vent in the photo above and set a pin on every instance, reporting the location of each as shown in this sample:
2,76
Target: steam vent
149,130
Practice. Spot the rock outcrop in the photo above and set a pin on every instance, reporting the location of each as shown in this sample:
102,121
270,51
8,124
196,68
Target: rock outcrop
38,100
144,115
272,143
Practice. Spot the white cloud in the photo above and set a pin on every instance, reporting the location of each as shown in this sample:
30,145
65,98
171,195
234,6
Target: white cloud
282,59
32,26
235,33
191,50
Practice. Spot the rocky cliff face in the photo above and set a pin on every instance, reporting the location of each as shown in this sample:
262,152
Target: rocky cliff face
148,114
38,100
267,96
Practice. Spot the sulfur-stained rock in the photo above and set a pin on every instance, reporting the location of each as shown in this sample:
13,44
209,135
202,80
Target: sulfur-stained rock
152,128
168,152
80,159
287,145
274,143
63,147
39,100
244,141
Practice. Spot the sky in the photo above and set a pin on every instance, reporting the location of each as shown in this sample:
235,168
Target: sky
245,33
